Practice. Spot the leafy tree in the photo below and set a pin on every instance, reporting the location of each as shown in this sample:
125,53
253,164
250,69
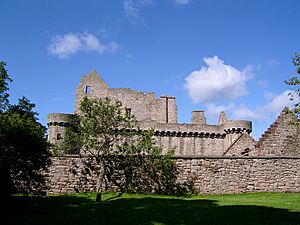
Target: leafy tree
4,80
24,151
117,153
295,82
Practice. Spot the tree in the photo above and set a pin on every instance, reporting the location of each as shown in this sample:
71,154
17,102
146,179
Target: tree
117,153
295,82
24,153
4,80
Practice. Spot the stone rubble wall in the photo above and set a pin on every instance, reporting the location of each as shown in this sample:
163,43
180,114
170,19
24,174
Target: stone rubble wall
211,175
281,138
244,145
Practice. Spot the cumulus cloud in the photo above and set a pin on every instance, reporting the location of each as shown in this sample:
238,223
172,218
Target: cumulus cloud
274,106
216,81
213,110
237,111
182,2
68,44
279,102
243,112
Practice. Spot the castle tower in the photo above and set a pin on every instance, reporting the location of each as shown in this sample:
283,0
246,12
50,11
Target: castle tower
90,85
57,122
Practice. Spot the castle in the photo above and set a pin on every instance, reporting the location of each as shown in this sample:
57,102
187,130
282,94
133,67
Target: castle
228,138
221,158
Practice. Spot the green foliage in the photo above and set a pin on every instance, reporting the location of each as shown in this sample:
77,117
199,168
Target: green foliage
104,124
71,143
4,80
24,151
119,154
294,81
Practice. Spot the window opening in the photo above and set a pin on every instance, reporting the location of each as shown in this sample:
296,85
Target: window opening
59,137
88,89
128,111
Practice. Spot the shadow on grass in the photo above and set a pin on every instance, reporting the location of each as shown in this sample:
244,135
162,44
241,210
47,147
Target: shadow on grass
56,210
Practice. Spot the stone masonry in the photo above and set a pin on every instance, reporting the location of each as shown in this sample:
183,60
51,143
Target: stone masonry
211,175
220,159
196,138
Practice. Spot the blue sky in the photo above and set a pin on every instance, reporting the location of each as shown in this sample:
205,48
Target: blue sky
213,55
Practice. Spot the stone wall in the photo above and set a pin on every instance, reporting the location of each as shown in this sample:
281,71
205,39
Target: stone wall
143,105
236,175
281,138
212,175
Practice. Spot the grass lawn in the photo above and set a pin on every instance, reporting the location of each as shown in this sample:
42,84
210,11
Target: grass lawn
256,208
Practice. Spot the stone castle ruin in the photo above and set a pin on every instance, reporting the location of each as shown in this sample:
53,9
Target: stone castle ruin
228,138
218,156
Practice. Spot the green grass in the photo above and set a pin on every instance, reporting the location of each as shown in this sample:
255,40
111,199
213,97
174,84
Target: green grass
256,208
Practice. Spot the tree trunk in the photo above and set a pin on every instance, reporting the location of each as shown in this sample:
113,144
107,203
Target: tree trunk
100,178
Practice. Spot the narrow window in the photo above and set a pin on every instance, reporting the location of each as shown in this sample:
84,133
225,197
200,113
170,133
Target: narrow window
88,89
58,137
128,111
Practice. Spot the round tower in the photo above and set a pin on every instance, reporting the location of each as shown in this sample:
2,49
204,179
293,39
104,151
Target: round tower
57,123
234,130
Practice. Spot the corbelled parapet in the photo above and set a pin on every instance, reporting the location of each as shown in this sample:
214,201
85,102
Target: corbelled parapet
237,126
59,119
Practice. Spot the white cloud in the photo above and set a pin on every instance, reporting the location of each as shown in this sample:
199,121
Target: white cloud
268,95
65,45
273,107
236,111
131,11
216,81
68,44
279,102
213,110
90,42
182,2
243,112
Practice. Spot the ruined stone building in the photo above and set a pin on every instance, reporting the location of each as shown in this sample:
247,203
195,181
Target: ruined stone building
220,158
227,138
